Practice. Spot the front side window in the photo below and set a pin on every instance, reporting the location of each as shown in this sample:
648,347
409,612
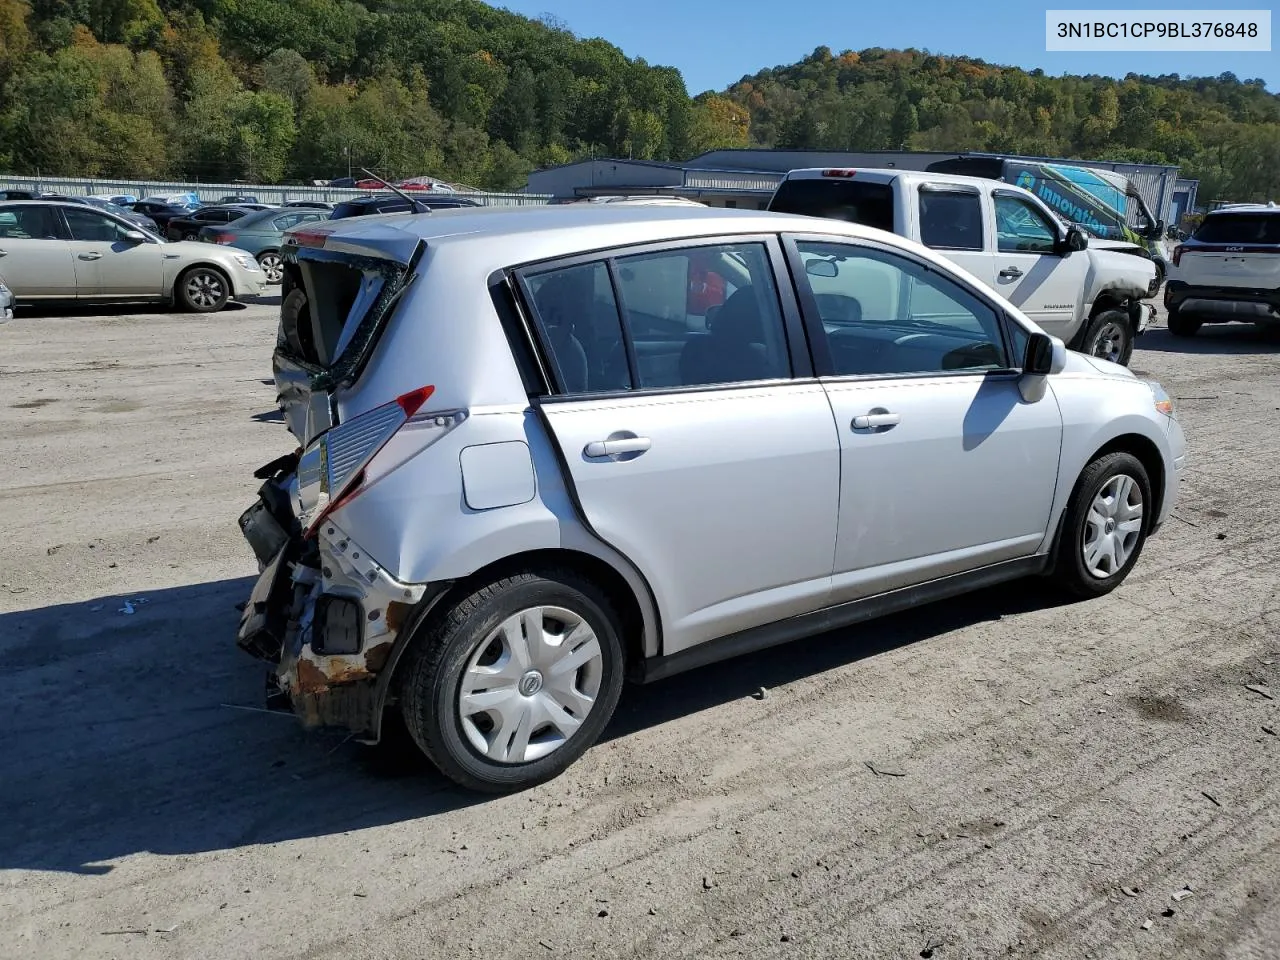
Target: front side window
950,220
1021,228
88,225
881,313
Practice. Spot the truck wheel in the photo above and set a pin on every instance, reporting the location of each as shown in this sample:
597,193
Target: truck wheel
515,681
1110,336
1181,325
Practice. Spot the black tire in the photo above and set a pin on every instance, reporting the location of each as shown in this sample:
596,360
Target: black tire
189,236
432,680
1109,336
1181,325
1071,573
272,265
202,290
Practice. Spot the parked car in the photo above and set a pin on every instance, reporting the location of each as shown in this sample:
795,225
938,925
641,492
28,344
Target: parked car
390,203
6,302
506,496
137,218
21,194
119,199
188,227
160,213
54,250
309,204
239,199
1229,270
1002,234
261,234
190,199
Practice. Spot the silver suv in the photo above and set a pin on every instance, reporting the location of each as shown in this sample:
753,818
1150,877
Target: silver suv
543,448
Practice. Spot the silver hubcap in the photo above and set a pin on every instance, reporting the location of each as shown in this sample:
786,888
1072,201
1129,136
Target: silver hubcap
530,685
1109,342
1113,526
272,267
204,289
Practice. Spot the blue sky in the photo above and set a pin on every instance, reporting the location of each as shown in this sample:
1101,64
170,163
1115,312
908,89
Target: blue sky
715,42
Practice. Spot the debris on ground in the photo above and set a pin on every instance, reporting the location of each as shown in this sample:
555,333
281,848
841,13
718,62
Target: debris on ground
1167,912
1210,797
760,694
1148,924
1129,891
1268,730
1182,894
706,883
1260,690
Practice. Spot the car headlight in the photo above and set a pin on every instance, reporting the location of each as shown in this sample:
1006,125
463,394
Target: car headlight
1160,396
247,262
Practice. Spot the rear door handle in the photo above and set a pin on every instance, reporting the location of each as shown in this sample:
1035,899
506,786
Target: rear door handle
611,448
4,253
870,421
1011,273
90,256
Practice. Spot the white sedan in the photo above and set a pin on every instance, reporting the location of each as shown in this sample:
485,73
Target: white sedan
53,250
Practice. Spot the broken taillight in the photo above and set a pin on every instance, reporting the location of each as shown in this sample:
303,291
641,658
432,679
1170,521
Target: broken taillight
840,173
224,238
338,464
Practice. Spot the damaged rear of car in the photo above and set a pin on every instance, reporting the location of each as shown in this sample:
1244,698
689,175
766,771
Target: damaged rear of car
324,615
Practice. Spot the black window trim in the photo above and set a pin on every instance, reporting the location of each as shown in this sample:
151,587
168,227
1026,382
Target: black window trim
798,347
823,364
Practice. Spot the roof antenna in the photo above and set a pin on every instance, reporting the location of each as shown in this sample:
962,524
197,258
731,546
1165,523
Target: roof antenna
416,205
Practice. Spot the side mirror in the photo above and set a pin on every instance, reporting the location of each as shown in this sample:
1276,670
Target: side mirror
1076,240
1045,357
135,236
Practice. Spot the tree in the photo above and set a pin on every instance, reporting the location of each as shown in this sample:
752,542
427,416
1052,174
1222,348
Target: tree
287,73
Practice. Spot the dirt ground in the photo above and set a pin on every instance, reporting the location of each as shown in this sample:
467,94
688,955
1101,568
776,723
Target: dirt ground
998,775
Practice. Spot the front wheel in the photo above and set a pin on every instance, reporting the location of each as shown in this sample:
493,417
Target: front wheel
1105,527
271,265
515,681
1110,337
203,290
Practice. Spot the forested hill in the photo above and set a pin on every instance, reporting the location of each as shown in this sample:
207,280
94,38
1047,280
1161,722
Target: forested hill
270,90
281,89
1224,131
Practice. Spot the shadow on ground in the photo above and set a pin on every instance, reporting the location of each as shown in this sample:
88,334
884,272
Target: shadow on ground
141,732
1219,338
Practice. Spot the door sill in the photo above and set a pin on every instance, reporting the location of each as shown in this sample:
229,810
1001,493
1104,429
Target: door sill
831,618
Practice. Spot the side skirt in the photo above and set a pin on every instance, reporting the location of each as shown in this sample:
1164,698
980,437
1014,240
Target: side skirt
831,618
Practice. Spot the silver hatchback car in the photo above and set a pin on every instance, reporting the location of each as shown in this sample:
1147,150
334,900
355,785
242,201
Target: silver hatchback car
541,449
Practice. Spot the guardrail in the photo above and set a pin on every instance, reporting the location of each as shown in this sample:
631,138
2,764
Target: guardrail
213,192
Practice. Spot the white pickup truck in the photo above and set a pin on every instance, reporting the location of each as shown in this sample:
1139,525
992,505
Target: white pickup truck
1088,296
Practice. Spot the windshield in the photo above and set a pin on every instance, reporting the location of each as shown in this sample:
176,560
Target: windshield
870,204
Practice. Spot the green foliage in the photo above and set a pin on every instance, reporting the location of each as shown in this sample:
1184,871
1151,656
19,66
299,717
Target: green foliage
301,89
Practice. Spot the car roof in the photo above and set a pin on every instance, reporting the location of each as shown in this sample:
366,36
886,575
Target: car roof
504,236
886,174
1252,208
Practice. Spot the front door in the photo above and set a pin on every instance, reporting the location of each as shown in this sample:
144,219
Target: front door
107,264
1030,272
944,467
690,447
35,259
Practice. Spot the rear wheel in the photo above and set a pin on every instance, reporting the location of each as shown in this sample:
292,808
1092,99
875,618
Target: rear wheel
1181,325
1105,527
271,265
188,236
203,290
1110,336
515,681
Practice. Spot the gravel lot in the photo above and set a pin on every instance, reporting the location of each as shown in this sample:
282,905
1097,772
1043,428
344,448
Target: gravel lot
1031,761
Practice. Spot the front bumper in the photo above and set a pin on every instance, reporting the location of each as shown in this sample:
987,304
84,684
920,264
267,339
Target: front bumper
325,617
1221,304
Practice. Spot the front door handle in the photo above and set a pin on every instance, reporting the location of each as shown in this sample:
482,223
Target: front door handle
881,420
612,448
90,256
4,253
1011,273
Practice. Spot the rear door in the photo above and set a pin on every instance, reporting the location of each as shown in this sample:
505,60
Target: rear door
107,263
700,449
953,220
1234,250
1030,272
35,258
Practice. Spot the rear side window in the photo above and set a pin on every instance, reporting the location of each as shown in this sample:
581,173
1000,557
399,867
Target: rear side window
870,204
694,316
950,220
29,223
1241,228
